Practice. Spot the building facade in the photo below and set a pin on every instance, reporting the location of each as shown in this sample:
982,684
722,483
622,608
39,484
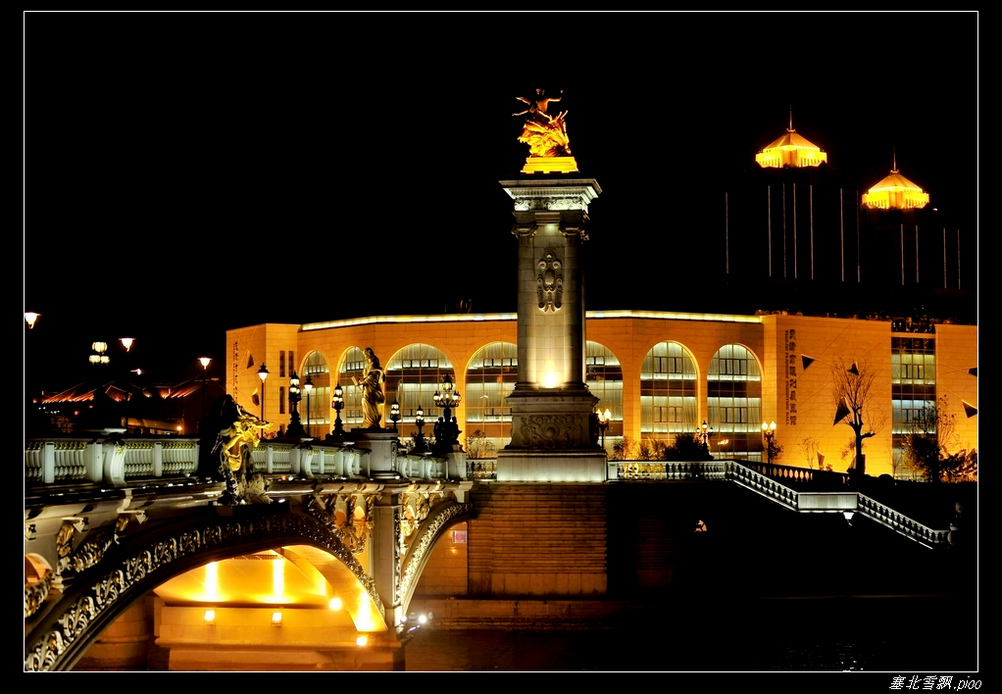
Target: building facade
659,374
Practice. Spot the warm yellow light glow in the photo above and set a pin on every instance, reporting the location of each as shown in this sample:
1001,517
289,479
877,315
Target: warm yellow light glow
550,380
204,361
31,317
212,581
550,165
99,347
335,603
790,150
362,640
276,618
895,192
209,617
127,342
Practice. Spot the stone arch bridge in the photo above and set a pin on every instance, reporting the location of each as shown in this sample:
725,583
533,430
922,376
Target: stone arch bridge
109,520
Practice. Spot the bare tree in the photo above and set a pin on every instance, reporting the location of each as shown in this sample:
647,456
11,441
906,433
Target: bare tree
851,391
809,447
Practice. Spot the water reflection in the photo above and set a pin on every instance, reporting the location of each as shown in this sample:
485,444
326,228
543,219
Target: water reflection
930,634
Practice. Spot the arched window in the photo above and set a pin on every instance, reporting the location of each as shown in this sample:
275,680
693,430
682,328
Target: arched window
490,378
352,366
734,402
316,403
604,376
667,392
412,376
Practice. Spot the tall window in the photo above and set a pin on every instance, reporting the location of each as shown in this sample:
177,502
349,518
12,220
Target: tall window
604,376
490,378
317,405
913,388
734,402
412,376
667,392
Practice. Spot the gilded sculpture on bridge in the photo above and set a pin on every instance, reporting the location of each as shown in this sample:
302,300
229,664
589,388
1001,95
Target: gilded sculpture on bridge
238,432
371,385
545,134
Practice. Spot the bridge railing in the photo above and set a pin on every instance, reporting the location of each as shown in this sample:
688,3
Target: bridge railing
116,460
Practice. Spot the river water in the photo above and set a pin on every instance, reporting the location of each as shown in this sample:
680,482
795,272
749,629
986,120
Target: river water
920,635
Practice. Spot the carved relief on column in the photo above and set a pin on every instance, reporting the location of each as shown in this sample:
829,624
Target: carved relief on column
524,230
548,431
550,282
575,228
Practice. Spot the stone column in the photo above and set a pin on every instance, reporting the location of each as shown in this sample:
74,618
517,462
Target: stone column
553,433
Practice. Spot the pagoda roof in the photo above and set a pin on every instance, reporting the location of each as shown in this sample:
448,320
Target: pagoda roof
895,181
791,139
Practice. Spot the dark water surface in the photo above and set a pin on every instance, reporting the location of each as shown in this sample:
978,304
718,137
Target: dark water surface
917,635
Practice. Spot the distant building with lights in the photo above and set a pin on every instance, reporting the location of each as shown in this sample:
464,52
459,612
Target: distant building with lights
659,374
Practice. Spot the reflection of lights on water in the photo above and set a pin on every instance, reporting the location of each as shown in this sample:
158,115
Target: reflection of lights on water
212,581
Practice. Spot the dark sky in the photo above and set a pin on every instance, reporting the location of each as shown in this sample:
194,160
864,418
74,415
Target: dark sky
189,173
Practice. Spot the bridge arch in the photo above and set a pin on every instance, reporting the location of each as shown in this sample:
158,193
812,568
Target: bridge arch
432,529
61,632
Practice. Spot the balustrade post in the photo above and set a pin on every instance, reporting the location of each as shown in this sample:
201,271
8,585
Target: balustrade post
48,462
295,463
114,462
158,459
94,462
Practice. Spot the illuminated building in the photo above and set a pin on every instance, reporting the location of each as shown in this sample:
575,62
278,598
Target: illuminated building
790,150
660,374
895,192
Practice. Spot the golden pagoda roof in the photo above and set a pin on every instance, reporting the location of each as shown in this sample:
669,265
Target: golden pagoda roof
894,191
791,139
790,149
895,181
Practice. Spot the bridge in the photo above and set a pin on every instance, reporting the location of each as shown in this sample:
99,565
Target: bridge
109,519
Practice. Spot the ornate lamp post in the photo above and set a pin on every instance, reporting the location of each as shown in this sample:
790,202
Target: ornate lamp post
338,404
395,413
704,434
99,356
603,422
447,435
204,361
295,425
419,444
769,432
262,373
308,386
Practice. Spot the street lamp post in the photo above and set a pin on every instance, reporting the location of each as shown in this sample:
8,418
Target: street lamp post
769,432
338,404
204,361
395,413
308,386
603,422
262,373
447,435
704,434
295,425
419,444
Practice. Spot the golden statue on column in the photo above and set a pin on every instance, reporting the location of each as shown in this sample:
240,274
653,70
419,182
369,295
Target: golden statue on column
546,135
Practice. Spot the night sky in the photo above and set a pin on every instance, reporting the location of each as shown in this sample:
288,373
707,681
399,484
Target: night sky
189,173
